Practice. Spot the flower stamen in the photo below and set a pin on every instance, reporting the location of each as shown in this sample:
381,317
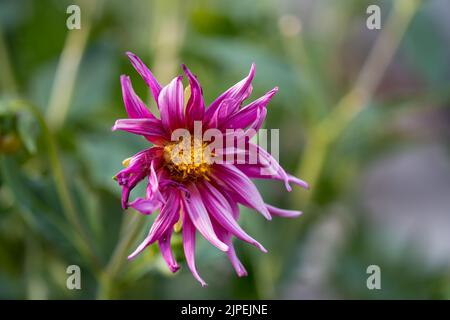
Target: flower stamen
190,160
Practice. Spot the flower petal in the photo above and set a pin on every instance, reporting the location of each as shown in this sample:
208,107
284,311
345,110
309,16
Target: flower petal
149,128
195,107
241,187
137,169
133,104
239,92
196,210
247,115
223,111
218,206
146,74
145,206
171,105
258,171
166,251
189,247
226,236
165,221
283,212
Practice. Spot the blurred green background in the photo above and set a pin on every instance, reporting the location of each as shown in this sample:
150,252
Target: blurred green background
363,117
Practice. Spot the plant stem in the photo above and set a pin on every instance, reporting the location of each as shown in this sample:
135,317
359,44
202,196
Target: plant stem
69,210
68,67
7,80
130,230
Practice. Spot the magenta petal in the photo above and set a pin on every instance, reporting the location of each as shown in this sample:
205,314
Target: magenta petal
239,92
266,167
224,110
196,210
145,206
231,253
241,187
218,206
146,74
171,105
133,104
153,191
247,115
236,263
298,181
166,219
137,169
149,128
195,107
189,247
166,251
283,212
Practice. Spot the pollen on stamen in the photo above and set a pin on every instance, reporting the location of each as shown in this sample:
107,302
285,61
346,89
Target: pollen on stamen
190,160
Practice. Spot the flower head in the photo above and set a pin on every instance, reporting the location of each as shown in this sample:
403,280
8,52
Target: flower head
188,179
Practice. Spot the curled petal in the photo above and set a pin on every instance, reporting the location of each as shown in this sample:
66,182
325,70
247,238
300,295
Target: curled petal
241,188
145,206
171,105
146,74
166,251
196,210
189,247
137,169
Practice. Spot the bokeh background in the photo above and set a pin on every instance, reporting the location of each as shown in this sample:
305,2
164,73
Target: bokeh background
363,117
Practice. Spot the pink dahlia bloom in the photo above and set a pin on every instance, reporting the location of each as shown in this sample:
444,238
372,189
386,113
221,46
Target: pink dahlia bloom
193,192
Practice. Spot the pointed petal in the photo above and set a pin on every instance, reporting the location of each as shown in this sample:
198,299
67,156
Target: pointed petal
241,187
195,107
256,171
189,247
267,167
196,210
218,206
153,190
247,115
133,104
225,108
166,251
146,74
225,236
171,105
239,92
283,212
149,128
163,223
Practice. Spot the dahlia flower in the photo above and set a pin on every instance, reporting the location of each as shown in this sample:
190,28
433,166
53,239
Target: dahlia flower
191,188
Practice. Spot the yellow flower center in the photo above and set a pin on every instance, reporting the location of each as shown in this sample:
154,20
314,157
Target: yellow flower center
188,160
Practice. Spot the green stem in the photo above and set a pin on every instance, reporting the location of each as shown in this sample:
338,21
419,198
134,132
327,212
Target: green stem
7,80
69,211
68,67
130,231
